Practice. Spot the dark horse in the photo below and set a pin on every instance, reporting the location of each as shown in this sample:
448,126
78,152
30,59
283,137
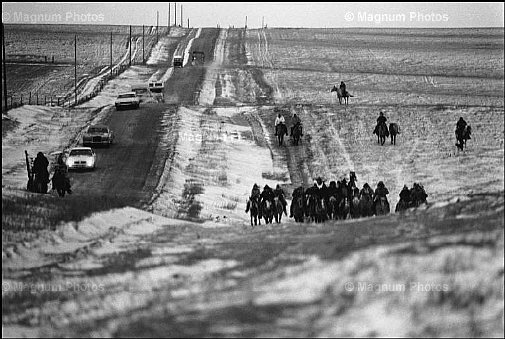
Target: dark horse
382,206
267,211
341,95
280,131
382,133
59,183
278,208
298,209
394,129
365,205
462,135
297,133
253,206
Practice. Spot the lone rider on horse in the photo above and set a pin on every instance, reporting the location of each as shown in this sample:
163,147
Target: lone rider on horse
460,129
296,122
380,120
279,192
279,120
342,88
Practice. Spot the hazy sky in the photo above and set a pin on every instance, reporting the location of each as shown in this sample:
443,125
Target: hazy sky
276,14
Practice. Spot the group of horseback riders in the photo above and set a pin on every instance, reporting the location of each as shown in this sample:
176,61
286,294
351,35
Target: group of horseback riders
38,175
413,197
295,121
340,200
264,203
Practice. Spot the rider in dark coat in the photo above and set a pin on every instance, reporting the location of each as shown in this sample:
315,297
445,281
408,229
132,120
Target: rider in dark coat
380,192
279,192
461,124
366,190
40,167
62,169
380,120
298,192
342,88
405,195
295,121
332,190
418,194
267,194
255,195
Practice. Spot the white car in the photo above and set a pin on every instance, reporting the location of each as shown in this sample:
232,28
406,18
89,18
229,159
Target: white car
129,99
81,158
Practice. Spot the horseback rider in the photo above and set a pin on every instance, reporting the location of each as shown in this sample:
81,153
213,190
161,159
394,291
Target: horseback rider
39,168
405,195
279,120
418,194
279,192
298,192
366,190
267,194
255,196
62,169
342,88
380,192
461,124
380,120
296,122
332,190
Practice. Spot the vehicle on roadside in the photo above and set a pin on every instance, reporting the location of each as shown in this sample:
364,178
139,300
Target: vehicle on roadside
98,135
129,99
81,158
178,61
156,86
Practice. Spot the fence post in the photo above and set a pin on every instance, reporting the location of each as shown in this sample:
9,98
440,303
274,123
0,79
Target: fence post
30,99
21,100
37,98
45,100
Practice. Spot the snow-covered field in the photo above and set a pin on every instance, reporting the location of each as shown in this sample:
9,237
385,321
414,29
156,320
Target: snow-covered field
189,264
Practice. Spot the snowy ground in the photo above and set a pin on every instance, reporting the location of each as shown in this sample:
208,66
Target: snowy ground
189,264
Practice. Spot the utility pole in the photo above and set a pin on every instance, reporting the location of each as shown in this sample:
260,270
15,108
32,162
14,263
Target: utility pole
168,16
4,67
75,69
157,23
175,15
111,55
246,22
182,23
262,22
188,22
143,56
130,63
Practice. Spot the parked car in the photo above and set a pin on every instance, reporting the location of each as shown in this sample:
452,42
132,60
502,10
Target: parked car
98,135
81,158
129,99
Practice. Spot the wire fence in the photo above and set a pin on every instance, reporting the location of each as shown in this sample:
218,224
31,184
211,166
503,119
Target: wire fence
68,100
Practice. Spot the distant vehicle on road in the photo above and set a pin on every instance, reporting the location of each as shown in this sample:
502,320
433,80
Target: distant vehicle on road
98,135
178,60
198,57
156,86
129,99
81,158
